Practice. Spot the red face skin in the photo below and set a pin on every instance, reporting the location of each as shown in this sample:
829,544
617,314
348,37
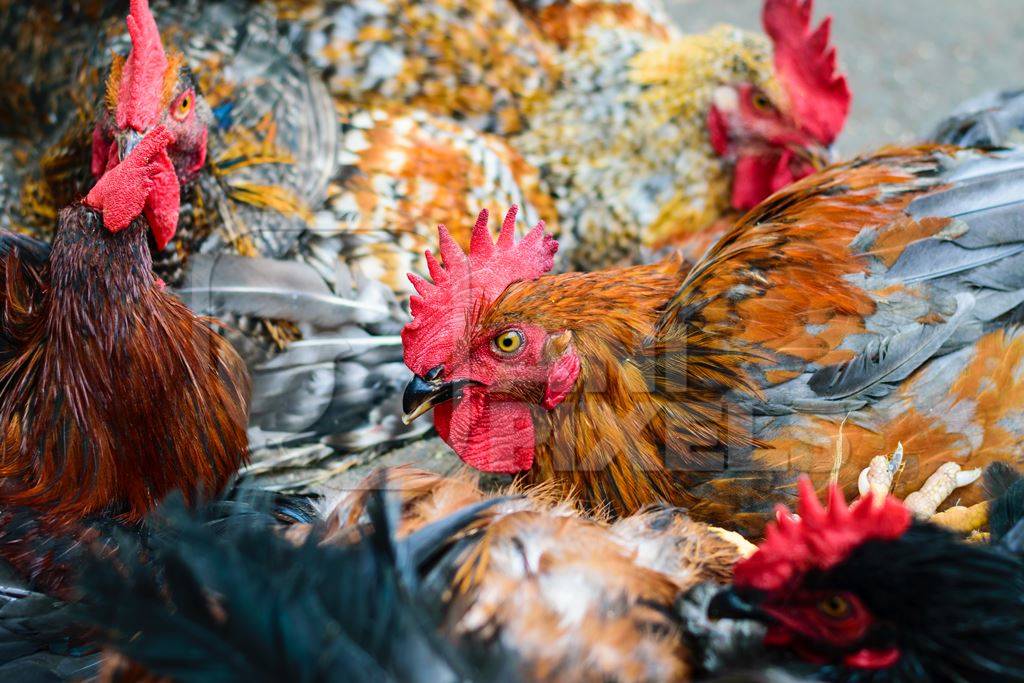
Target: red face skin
491,426
186,117
812,622
768,148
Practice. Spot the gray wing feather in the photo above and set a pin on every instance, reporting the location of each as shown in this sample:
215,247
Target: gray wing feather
267,288
888,360
991,120
970,273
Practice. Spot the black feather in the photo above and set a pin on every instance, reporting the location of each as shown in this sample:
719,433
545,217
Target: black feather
237,603
1004,486
34,252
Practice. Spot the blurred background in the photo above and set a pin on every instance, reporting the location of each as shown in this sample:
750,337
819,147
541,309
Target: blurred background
909,61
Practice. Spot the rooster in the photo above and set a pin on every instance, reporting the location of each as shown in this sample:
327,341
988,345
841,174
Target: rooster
114,394
869,305
866,593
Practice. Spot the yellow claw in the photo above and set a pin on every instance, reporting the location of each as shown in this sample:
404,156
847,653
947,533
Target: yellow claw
963,519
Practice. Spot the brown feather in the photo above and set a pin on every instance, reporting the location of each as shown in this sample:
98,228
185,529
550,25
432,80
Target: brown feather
114,394
568,593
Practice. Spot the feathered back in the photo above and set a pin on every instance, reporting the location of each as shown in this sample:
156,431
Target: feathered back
568,593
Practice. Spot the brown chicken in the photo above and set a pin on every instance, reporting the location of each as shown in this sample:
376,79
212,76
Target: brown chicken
873,304
112,393
594,600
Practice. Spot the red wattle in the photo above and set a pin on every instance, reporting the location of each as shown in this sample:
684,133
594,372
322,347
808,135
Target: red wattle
487,433
752,181
164,202
756,178
143,182
873,659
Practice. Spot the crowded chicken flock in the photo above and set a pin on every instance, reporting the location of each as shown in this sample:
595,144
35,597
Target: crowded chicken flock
729,407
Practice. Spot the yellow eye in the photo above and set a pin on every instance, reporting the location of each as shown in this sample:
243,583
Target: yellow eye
184,105
834,606
509,341
761,102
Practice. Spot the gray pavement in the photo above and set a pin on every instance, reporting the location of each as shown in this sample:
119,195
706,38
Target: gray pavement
909,61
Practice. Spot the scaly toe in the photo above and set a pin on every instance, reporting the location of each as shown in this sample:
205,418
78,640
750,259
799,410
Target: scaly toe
946,479
964,520
878,476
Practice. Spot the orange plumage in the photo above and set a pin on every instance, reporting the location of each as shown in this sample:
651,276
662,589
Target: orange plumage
874,303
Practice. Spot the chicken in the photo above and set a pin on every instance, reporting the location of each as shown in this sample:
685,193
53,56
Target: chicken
597,608
258,164
114,393
44,637
593,600
869,305
198,603
680,130
867,593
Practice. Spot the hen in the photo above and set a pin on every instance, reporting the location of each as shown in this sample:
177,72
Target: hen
865,593
597,608
652,138
871,304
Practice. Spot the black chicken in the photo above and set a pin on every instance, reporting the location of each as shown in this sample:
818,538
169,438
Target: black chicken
236,603
866,593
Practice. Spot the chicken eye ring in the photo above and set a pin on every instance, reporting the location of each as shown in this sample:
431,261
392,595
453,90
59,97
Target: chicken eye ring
183,107
509,342
762,103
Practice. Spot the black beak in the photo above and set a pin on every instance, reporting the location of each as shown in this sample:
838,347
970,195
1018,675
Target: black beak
738,603
423,393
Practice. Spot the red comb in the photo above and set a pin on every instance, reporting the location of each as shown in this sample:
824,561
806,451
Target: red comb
141,89
805,63
818,538
441,311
